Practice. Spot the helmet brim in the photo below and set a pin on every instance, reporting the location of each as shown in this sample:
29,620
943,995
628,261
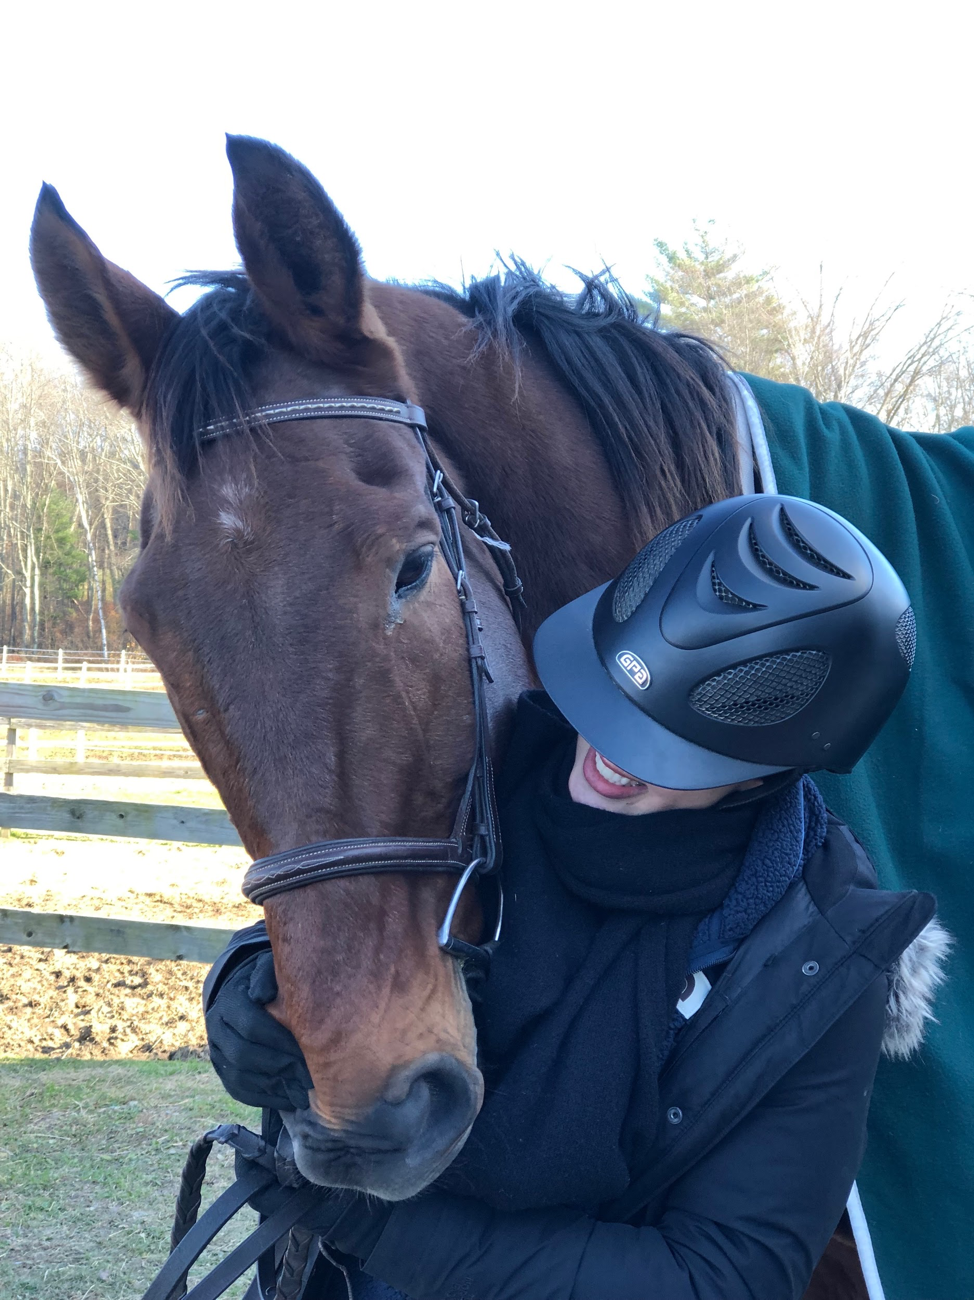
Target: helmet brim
576,680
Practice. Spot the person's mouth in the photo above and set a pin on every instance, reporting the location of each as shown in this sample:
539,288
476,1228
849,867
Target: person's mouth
608,780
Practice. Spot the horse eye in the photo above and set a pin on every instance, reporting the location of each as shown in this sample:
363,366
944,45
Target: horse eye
414,571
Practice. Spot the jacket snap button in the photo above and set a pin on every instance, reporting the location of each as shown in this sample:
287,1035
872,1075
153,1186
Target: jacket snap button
674,1115
810,968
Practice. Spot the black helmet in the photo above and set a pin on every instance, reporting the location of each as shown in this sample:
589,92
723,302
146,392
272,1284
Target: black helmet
759,634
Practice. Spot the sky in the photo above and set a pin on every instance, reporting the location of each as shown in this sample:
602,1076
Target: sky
570,134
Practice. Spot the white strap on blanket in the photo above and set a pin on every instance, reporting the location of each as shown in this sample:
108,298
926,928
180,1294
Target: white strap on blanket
864,1245
757,472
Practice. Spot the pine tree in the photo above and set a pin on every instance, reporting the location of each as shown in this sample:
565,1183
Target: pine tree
703,289
63,560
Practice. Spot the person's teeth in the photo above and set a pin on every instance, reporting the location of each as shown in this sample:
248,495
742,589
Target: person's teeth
614,778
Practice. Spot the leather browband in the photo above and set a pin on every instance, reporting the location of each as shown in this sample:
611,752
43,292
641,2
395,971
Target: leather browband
318,408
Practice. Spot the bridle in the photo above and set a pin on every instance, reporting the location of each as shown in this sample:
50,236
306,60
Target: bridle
473,850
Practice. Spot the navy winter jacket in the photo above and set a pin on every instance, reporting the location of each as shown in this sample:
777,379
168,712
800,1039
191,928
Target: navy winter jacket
762,1128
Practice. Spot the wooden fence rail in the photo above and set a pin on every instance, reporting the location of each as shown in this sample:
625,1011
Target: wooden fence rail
67,767
163,940
76,706
149,710
85,667
65,656
141,821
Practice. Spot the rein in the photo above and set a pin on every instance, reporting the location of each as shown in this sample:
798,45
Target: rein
473,849
281,1268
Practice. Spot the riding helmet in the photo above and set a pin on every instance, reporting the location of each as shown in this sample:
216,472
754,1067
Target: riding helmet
754,636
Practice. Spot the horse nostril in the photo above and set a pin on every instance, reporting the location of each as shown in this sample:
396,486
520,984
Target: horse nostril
430,1103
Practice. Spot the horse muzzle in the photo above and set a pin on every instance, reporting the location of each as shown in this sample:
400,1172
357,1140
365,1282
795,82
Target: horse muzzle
411,1134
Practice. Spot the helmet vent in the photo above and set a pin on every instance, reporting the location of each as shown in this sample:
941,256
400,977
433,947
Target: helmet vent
808,552
724,593
775,570
642,572
762,691
906,635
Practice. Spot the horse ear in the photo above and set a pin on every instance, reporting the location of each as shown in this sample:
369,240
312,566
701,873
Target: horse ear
299,254
108,320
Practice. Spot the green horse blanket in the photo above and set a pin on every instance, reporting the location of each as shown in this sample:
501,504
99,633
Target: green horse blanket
911,802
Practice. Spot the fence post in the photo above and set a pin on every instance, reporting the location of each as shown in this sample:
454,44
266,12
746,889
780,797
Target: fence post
8,776
121,664
3,662
83,680
60,664
27,668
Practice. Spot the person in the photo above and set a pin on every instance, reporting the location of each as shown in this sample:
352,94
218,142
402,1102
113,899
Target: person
682,1023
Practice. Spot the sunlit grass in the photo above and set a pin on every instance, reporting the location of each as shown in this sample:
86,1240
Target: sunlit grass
90,1157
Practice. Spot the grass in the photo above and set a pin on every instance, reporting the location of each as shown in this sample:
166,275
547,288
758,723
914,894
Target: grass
90,1157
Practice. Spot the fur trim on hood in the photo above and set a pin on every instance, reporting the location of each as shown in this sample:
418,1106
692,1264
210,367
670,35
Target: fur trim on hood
913,983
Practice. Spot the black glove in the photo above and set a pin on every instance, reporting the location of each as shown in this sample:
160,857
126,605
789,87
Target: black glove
258,1060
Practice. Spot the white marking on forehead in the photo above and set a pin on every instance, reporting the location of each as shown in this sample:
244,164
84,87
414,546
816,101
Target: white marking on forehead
235,491
236,494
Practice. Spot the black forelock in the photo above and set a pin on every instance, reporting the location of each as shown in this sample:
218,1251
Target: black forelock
205,367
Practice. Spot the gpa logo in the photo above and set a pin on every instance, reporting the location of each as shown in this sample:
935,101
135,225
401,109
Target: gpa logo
634,668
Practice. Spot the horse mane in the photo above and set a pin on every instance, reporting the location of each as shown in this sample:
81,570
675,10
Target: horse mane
656,400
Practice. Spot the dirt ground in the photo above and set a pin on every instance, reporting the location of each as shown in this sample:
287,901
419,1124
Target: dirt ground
82,1005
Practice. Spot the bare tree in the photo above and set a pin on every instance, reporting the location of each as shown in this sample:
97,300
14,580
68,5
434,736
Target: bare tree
840,362
62,449
705,287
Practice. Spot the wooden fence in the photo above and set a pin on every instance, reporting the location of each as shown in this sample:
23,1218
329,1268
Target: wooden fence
61,708
82,667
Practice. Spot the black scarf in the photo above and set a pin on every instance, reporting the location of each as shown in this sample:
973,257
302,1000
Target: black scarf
575,1014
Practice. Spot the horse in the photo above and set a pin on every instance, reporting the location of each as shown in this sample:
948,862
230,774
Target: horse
307,633
287,591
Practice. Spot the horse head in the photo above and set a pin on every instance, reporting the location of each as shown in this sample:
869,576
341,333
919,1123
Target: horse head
290,591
